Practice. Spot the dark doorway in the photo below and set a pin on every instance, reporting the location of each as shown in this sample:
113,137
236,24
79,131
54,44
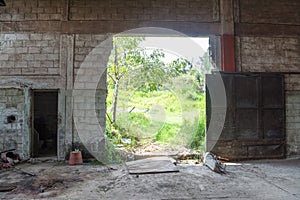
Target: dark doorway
45,123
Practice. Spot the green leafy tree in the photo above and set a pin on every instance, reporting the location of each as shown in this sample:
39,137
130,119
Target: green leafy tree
131,67
124,48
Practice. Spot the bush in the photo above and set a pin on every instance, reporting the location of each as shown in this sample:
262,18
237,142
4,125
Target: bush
167,133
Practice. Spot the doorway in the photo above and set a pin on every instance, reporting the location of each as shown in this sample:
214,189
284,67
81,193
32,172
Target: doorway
45,108
156,94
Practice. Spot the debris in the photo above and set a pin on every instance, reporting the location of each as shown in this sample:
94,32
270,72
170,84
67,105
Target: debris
213,163
10,157
152,166
7,150
126,140
7,188
6,165
25,172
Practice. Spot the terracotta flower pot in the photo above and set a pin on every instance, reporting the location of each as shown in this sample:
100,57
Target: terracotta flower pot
75,158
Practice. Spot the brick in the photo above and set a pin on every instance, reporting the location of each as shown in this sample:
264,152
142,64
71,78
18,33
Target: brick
40,57
41,43
41,70
30,16
21,50
21,64
37,10
28,57
5,16
34,50
34,64
47,50
10,36
53,70
17,17
44,3
55,16
18,3
52,56
48,37
42,16
27,71
14,71
3,57
47,64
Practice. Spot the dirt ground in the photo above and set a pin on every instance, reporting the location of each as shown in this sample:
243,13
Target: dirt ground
267,179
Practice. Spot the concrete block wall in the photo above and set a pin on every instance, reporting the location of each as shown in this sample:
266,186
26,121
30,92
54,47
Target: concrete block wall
11,130
269,12
87,54
31,10
168,10
269,54
274,46
30,54
292,84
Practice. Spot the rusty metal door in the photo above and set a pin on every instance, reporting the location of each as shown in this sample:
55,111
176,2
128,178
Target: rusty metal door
255,116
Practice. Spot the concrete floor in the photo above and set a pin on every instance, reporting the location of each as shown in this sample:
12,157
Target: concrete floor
266,179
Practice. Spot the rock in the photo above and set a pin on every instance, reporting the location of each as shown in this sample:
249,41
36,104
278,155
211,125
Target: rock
213,163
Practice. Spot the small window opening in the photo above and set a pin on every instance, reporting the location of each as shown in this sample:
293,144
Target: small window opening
11,119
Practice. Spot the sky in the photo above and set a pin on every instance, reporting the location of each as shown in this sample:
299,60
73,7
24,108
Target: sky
190,48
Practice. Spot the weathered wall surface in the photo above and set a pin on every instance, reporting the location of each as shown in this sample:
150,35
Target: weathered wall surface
12,119
269,54
270,12
22,10
168,10
28,54
268,41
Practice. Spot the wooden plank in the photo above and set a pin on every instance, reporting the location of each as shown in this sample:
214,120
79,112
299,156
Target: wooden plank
152,166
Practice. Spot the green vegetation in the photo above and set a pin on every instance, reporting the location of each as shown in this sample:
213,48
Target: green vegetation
149,100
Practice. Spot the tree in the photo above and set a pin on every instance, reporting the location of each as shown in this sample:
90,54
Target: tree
133,67
150,71
123,49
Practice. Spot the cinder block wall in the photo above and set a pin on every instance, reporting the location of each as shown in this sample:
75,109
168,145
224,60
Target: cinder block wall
269,41
46,41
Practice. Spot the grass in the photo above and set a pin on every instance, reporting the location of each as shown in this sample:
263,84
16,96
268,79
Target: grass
163,116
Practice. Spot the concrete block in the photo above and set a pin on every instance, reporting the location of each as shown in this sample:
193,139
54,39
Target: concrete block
34,50
30,16
49,37
21,50
22,36
3,57
36,36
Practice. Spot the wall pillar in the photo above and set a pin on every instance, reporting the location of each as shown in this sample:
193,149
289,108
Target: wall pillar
227,36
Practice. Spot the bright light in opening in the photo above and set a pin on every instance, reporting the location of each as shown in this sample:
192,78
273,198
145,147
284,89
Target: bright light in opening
178,44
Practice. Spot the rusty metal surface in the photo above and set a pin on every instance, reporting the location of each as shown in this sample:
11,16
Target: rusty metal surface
255,120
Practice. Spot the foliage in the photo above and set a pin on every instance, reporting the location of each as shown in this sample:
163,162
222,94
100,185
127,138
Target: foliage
137,82
149,72
181,66
167,133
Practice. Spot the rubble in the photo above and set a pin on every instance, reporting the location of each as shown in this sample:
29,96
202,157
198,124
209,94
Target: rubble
9,158
211,161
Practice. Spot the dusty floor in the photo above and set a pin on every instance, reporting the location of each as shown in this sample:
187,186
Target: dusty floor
268,179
